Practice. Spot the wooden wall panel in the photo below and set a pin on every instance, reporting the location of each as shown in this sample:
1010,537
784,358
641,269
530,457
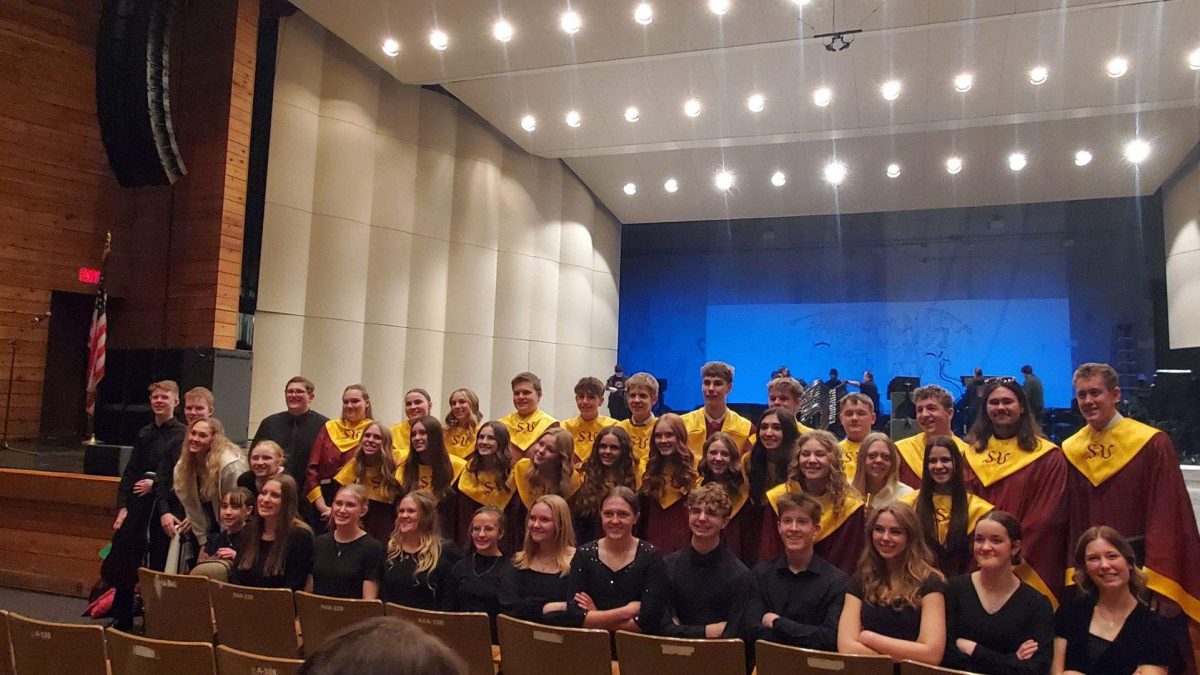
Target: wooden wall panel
176,260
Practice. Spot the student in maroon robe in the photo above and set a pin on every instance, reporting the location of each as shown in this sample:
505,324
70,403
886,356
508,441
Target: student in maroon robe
1020,471
722,464
670,475
1126,475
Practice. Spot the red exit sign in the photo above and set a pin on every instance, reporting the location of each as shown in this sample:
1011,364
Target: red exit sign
89,276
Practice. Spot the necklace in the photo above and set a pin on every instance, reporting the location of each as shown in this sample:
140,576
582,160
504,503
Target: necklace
474,564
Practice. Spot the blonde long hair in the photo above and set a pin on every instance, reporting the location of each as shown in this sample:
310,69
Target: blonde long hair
564,447
429,550
838,488
564,536
187,469
879,587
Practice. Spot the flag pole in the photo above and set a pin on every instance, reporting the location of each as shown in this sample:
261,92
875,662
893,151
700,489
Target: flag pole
91,410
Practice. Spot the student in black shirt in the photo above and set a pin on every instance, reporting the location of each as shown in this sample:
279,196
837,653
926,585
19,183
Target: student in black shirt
536,587
797,597
294,429
236,507
706,583
896,603
277,547
346,561
476,579
618,581
416,572
136,498
1107,630
995,623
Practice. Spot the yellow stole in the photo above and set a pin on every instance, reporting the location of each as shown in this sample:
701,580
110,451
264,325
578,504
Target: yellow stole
735,425
1099,455
640,435
523,431
829,522
372,481
671,494
1002,458
460,442
425,472
344,436
912,451
976,509
486,490
528,491
585,433
400,439
849,457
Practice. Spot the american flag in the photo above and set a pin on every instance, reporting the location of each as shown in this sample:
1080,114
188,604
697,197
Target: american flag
98,336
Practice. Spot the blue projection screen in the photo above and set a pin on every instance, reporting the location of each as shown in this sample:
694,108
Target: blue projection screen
935,341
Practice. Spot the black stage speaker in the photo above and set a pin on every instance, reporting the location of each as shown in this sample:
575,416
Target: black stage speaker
133,91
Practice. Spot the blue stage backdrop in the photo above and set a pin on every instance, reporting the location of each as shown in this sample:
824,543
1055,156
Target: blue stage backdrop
935,341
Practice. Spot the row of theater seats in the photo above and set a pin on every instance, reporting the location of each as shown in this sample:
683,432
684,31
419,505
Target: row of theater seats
257,632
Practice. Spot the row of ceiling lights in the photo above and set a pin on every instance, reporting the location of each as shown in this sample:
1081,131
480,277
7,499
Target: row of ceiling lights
835,172
823,96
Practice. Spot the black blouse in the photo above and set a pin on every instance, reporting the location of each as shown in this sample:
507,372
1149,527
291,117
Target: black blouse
523,594
644,580
902,623
297,563
339,570
476,581
1144,640
429,589
1026,615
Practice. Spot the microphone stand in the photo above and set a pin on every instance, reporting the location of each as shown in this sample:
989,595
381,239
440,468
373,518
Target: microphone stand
12,364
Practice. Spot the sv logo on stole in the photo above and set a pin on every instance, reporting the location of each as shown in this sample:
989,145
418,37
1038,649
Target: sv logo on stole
1100,451
997,457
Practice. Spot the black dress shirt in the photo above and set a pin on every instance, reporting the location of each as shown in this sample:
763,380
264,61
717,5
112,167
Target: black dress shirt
154,441
704,588
339,569
1026,616
809,604
524,593
295,434
1144,640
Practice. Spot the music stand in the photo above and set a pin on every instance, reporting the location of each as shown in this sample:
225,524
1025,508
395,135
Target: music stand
12,364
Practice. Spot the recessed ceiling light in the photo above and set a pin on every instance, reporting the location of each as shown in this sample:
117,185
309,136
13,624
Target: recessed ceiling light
528,123
1137,150
630,189
801,3
671,185
778,179
890,90
1038,74
502,31
1117,66
390,46
1194,60
570,22
893,170
1017,161
756,103
631,114
835,173
963,82
691,108
574,119
718,7
822,96
723,179
954,165
1083,158
439,40
643,14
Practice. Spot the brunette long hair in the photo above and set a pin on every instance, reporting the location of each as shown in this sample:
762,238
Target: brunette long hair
676,468
598,479
285,522
437,457
759,468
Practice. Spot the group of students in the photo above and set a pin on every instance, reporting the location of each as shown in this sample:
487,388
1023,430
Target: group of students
851,542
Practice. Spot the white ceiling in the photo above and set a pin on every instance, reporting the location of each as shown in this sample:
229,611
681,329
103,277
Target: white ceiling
765,46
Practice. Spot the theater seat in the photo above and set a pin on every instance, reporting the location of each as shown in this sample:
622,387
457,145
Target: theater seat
46,647
256,620
6,657
468,634
134,655
176,606
777,659
534,649
650,655
231,661
321,616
